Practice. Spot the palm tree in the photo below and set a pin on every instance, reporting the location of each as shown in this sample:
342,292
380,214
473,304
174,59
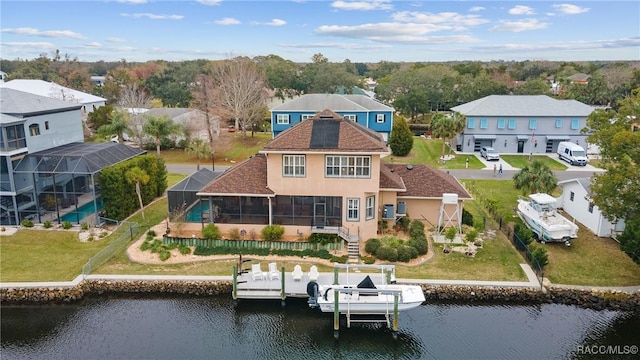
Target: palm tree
159,128
198,148
534,178
119,125
137,176
446,127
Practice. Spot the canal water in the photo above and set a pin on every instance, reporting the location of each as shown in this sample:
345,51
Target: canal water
213,328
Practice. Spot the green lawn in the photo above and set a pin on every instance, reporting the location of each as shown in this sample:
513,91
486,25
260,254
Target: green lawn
520,161
237,150
429,151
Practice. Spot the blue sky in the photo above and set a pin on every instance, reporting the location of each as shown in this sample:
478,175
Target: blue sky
361,31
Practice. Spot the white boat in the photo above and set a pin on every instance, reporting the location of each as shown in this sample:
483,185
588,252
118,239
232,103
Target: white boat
371,301
541,216
365,297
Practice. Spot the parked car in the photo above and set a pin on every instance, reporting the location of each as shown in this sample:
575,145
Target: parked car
489,153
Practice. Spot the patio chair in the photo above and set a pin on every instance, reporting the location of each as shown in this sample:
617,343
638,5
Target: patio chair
273,271
297,273
313,273
256,272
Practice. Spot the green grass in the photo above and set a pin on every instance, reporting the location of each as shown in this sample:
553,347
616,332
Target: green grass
520,161
237,150
173,179
429,151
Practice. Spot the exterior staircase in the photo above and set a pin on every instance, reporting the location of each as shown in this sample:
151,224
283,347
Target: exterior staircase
353,250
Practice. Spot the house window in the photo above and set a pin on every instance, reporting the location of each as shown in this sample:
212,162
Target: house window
282,119
293,165
533,124
348,166
591,208
571,195
575,124
34,129
353,209
351,117
501,124
304,117
512,124
379,118
484,123
370,207
558,123
46,125
15,137
471,123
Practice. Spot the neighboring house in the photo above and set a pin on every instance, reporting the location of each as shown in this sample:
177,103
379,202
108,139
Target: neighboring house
324,175
192,120
362,109
46,172
579,78
97,80
52,90
521,123
576,201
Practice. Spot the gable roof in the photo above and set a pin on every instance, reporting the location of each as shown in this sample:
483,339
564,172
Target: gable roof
584,182
335,102
196,181
390,180
249,178
327,131
51,90
523,105
20,103
425,182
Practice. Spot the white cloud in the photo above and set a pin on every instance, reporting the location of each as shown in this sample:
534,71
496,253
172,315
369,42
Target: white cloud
394,32
209,2
569,9
30,45
362,5
93,44
519,26
152,16
562,46
451,19
28,31
135,2
336,45
476,9
521,10
274,22
116,40
227,21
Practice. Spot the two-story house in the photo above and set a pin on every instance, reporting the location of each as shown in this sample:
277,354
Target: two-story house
325,174
46,171
361,109
521,123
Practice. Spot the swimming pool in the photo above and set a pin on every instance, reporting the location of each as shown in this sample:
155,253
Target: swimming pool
83,211
194,214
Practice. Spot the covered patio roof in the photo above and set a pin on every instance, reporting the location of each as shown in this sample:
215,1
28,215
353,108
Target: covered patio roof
76,158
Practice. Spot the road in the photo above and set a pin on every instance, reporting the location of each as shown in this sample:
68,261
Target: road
458,173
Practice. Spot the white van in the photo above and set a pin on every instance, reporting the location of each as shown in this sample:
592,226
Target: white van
572,153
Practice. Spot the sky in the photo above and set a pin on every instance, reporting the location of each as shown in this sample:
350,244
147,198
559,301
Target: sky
361,31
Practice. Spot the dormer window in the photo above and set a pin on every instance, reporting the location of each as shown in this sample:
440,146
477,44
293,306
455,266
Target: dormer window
34,129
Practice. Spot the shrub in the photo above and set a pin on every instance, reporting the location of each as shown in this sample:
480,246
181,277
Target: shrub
340,259
630,240
467,218
151,233
401,138
406,253
164,254
146,245
67,225
478,224
387,253
368,260
323,238
416,228
47,224
372,245
27,223
471,235
420,244
253,234
450,234
539,253
211,232
184,250
522,233
272,232
234,233
404,223
84,226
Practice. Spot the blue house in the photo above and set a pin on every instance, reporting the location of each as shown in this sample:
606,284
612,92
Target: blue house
521,123
362,109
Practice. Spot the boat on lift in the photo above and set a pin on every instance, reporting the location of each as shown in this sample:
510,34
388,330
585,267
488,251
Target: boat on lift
541,216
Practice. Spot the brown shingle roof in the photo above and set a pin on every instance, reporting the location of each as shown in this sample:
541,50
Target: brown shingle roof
317,134
390,180
246,178
423,181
